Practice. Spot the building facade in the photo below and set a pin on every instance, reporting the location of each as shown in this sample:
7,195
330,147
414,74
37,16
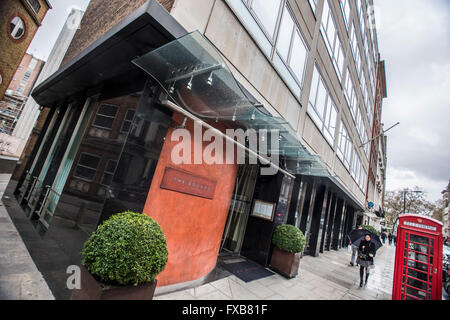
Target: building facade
445,214
307,69
26,130
19,91
12,108
20,20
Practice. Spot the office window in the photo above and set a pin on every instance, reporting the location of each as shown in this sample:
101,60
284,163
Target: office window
350,94
126,125
359,122
345,146
32,64
313,4
105,116
356,168
285,35
17,28
360,11
298,57
108,173
26,76
367,144
362,178
346,11
20,89
35,5
332,41
87,166
364,90
321,107
291,47
353,40
267,13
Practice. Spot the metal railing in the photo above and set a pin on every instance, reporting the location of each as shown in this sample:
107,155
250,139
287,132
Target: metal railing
48,207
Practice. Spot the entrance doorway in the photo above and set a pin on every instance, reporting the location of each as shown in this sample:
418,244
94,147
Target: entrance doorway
239,209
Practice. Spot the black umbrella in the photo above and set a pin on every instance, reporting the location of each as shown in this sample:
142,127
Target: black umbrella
374,239
355,234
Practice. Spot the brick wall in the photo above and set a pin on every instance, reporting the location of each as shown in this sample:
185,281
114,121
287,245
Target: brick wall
12,51
99,18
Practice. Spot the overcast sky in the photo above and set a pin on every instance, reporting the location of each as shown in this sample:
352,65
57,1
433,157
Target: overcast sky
414,40
52,24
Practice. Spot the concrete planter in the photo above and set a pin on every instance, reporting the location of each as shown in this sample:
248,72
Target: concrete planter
285,263
91,289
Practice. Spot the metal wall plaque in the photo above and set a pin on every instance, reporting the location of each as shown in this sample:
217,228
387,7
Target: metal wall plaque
188,183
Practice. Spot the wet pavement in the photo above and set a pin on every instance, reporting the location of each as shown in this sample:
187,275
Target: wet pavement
327,277
19,277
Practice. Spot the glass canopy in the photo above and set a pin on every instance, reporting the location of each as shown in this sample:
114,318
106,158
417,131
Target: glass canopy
196,77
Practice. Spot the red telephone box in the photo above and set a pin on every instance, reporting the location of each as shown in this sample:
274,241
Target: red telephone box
418,259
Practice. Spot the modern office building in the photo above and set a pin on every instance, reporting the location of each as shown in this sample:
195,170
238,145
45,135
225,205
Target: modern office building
19,20
301,74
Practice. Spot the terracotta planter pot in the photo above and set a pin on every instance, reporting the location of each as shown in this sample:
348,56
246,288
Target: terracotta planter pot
91,289
285,263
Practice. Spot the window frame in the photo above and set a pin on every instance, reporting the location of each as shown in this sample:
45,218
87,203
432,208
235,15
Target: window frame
106,116
32,6
108,172
271,38
84,166
334,49
329,105
295,31
343,151
346,4
125,120
24,25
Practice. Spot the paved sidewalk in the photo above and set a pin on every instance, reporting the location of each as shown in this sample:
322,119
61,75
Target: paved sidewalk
19,277
327,277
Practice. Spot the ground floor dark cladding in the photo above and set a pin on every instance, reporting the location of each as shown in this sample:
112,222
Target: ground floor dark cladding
323,212
316,205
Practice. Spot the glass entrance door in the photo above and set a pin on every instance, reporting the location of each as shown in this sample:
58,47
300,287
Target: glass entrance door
418,271
239,208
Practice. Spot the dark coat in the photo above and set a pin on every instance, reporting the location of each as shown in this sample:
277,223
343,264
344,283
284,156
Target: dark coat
366,247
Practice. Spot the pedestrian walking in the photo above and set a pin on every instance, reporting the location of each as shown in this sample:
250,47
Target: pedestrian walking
390,238
366,253
383,237
354,249
394,237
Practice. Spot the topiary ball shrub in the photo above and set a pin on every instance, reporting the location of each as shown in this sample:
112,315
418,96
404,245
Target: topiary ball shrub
128,248
289,238
371,229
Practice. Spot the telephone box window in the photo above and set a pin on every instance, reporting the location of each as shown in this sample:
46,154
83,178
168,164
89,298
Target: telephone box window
17,28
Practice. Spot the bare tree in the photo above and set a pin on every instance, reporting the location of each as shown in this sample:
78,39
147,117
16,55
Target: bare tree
438,211
406,200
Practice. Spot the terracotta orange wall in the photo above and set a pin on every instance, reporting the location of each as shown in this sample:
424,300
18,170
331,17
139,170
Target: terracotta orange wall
193,226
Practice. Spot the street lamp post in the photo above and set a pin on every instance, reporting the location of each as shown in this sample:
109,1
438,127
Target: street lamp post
404,197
